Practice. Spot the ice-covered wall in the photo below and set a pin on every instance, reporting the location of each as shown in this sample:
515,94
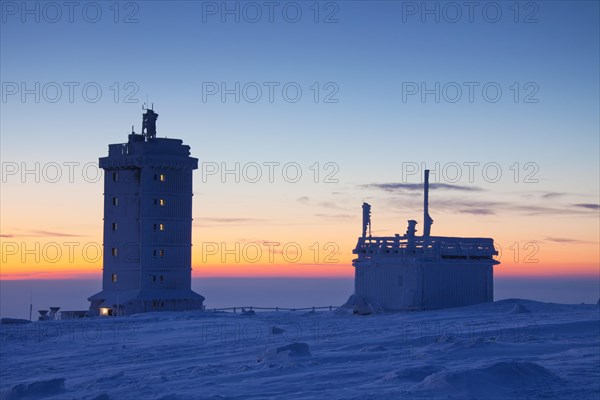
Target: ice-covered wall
410,284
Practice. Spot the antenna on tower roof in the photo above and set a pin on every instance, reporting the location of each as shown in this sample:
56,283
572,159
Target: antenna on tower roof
149,123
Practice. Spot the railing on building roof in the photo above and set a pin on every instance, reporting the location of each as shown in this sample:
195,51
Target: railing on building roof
431,248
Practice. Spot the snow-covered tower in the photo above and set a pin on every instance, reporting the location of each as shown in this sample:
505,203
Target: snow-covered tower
409,272
147,225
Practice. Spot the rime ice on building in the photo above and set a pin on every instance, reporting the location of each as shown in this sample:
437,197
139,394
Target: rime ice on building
410,272
147,225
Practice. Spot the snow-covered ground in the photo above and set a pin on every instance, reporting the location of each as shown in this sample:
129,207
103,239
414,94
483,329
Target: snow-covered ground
511,349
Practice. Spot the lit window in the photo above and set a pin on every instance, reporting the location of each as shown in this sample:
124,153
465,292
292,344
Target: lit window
115,176
114,251
162,177
161,227
114,277
104,311
161,202
114,226
115,201
161,253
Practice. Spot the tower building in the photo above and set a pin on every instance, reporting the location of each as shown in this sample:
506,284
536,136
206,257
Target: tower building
147,225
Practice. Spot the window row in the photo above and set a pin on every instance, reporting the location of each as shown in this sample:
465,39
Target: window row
157,202
155,253
157,177
160,227
161,278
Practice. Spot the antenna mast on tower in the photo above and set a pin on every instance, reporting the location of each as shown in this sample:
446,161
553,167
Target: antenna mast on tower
149,122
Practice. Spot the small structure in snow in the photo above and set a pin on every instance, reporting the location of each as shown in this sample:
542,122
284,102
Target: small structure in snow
410,272
75,314
53,313
43,315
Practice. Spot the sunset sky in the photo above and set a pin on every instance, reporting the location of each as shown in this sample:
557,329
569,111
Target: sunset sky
356,133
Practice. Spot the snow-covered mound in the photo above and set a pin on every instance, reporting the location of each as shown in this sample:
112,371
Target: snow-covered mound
37,389
285,353
519,309
7,321
509,349
504,379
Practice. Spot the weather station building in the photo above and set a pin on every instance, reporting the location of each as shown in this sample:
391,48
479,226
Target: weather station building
410,272
147,226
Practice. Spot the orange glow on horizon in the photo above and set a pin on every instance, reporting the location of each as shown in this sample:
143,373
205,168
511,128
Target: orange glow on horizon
297,270
65,258
268,240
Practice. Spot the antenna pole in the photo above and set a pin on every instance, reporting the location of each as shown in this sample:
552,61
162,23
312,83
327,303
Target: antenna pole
366,219
427,221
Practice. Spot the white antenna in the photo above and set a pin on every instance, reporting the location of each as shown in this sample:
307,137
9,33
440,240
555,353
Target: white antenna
427,221
366,225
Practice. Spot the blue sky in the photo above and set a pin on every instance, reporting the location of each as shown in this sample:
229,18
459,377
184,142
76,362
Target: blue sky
368,54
